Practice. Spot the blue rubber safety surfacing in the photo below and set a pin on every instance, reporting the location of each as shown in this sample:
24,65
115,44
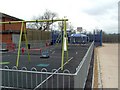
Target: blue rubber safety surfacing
43,65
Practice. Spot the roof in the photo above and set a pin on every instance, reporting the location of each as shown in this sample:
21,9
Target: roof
6,15
78,35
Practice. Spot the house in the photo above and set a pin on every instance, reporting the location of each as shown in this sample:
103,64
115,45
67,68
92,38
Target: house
9,33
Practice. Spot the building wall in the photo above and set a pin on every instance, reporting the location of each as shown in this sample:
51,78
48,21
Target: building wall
10,26
7,37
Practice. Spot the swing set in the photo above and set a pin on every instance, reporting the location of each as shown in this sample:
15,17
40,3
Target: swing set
23,29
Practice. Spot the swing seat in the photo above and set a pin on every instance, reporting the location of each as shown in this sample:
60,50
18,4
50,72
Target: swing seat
45,54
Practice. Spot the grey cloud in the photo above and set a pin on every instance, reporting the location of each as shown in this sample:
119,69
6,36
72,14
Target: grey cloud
100,8
105,13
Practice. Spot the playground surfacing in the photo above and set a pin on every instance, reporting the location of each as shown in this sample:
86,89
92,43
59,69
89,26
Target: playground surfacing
75,55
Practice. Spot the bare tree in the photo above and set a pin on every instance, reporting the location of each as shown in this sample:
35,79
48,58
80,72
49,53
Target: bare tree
48,15
60,25
69,26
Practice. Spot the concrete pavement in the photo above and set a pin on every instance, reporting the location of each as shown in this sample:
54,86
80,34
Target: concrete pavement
107,63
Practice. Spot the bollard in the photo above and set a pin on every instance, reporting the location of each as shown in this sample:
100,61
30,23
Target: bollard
28,46
23,50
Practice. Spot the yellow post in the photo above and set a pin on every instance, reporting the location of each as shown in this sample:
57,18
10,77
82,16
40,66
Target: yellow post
67,49
62,52
18,56
64,36
66,41
26,42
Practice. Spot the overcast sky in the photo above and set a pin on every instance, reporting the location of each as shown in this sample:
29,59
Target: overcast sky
89,14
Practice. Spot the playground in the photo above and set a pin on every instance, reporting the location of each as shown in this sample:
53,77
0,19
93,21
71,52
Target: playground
76,53
44,68
58,65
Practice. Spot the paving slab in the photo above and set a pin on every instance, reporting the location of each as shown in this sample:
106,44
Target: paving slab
107,56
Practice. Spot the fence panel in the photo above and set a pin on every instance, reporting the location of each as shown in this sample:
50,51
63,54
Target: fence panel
25,79
82,70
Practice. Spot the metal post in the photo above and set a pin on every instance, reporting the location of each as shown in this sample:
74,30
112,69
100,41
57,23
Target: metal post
62,52
66,40
64,36
15,22
26,42
19,44
100,37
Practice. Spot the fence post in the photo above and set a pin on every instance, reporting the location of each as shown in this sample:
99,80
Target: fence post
101,38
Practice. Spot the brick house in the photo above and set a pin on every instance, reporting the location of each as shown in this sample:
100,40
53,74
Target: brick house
9,33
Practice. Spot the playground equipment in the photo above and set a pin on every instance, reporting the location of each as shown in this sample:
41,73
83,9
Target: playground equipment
23,28
78,38
96,37
45,54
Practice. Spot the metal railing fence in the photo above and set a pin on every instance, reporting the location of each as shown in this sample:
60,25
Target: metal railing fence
24,79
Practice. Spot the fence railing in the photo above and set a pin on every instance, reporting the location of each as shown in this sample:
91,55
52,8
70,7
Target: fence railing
83,68
24,79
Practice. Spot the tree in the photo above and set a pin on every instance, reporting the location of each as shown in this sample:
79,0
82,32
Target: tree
103,32
60,25
69,26
48,15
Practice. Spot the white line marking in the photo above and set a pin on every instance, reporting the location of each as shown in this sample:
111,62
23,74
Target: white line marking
53,52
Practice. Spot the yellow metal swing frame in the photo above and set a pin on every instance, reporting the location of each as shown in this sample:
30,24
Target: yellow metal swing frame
23,28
